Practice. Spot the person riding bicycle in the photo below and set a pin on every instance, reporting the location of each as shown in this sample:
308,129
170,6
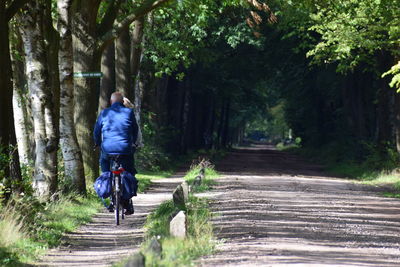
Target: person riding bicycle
116,131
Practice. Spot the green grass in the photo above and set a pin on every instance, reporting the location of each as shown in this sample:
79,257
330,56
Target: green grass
374,168
29,228
175,251
199,241
209,180
178,252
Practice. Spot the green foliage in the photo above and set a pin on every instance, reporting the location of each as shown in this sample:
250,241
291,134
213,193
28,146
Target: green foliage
351,31
395,71
176,38
153,156
377,165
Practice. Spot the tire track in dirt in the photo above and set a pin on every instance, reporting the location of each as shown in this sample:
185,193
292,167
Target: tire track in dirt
101,243
274,209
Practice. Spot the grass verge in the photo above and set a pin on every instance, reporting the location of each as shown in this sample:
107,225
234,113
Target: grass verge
175,251
200,240
208,181
373,168
28,227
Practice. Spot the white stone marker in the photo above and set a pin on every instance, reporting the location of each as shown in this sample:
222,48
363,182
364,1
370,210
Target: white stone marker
177,226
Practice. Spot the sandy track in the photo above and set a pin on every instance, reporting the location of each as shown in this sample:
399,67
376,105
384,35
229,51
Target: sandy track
101,243
274,209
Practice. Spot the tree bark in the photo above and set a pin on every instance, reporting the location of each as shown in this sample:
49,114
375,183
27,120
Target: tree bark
397,120
139,88
137,51
185,117
32,34
88,43
52,105
86,90
383,106
225,132
135,63
23,124
7,132
73,163
122,64
5,79
107,86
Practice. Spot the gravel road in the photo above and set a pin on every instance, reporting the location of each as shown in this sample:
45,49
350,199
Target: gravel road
274,209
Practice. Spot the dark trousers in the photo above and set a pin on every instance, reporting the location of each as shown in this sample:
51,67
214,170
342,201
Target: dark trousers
127,162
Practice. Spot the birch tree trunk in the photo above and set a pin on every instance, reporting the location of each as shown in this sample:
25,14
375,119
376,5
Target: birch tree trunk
137,80
45,174
73,163
22,122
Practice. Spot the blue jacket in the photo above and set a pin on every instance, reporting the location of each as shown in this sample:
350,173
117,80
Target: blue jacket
116,130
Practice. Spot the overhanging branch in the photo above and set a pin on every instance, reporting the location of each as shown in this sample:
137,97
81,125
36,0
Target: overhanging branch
145,8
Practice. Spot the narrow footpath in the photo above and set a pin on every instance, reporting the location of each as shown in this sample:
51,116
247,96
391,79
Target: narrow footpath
274,209
101,242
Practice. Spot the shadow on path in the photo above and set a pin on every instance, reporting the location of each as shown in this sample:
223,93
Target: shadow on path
101,242
281,211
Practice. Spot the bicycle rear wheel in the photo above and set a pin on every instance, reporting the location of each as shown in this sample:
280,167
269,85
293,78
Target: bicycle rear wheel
117,199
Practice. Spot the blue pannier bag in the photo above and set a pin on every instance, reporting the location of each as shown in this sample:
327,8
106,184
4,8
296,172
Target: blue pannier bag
103,185
130,185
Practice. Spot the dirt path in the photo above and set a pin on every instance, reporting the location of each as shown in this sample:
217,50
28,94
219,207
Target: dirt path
273,209
101,243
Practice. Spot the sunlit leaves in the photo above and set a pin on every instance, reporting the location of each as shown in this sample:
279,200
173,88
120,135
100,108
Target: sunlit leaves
351,31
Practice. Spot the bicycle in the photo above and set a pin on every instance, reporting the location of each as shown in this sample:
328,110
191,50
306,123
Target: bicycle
117,185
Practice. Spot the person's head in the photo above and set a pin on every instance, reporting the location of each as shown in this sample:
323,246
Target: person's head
116,97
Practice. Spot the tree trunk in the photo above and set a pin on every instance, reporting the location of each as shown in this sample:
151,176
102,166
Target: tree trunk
52,105
185,117
7,132
107,86
397,120
221,124
39,90
225,132
122,64
137,51
383,108
139,88
5,79
73,163
86,90
23,124
135,61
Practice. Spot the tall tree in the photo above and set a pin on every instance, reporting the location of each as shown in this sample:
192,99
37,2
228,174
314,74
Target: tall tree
89,41
22,120
73,163
7,133
31,21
